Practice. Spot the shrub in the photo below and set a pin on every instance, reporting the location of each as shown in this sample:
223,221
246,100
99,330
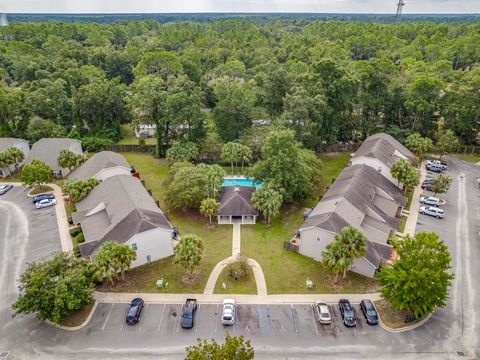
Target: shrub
240,266
80,238
95,143
75,231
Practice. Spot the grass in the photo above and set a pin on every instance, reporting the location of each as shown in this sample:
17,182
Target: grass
40,189
390,317
78,317
474,158
243,285
403,223
409,196
333,165
128,136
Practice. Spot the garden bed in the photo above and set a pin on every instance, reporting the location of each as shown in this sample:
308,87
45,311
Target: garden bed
243,285
40,189
78,317
394,319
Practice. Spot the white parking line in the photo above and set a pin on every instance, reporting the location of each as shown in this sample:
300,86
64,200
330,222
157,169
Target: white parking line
161,319
216,322
144,314
197,316
314,319
105,323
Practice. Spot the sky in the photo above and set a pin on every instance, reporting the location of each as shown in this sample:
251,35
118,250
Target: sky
192,6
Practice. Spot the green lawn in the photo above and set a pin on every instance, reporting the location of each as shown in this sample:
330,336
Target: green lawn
333,165
474,158
243,285
409,197
403,222
128,136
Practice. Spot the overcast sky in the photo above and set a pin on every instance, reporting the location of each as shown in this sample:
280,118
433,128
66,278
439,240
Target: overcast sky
166,6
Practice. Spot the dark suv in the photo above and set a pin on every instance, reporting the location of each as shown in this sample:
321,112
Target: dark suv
369,312
37,198
134,311
348,315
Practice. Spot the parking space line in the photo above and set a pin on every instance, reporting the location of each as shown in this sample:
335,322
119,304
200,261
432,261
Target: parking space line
293,318
105,323
314,319
179,314
161,318
144,314
216,322
198,317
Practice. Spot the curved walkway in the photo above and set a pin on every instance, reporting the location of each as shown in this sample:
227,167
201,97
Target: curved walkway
217,270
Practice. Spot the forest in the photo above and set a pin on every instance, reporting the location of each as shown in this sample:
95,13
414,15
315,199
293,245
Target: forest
233,80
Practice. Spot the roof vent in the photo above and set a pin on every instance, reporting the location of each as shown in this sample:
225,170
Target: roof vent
236,189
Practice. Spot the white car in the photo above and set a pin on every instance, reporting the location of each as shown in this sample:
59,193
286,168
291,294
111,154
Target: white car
323,312
430,200
228,315
432,211
45,203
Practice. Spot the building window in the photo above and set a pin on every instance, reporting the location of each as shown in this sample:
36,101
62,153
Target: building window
149,258
134,246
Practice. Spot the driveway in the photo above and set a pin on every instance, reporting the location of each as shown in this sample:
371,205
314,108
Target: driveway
281,331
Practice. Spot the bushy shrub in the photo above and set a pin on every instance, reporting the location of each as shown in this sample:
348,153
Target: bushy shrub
95,143
75,231
80,238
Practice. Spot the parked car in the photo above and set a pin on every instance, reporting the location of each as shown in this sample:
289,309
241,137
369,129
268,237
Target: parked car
430,200
37,198
228,315
369,311
134,311
45,203
435,167
432,211
439,163
348,315
5,188
428,187
323,312
188,313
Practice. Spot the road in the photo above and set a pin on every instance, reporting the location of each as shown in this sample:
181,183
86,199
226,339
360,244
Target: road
276,331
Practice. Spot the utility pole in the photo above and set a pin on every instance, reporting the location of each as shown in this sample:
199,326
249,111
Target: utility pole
400,6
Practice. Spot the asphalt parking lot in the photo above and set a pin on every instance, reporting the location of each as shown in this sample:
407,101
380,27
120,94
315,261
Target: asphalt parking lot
251,321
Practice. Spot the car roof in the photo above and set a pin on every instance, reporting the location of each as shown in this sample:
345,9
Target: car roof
368,303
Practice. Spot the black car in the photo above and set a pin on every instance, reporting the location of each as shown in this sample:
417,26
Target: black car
369,312
134,311
428,187
37,198
5,188
348,315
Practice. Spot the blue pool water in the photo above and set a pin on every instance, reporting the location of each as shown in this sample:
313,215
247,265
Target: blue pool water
241,182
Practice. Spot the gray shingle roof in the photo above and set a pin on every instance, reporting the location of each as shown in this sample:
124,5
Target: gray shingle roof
6,143
329,221
116,210
98,162
236,201
48,149
382,147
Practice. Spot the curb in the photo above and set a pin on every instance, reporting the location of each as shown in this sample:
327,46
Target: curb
406,328
75,328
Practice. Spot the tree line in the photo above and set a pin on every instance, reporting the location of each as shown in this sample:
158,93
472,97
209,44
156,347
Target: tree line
215,82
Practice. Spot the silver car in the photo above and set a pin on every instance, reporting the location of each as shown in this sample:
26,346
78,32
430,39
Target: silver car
432,211
5,188
323,312
228,314
430,200
45,203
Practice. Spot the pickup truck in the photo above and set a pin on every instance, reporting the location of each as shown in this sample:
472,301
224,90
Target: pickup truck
188,313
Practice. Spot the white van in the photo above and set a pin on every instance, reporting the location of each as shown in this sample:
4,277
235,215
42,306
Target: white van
435,167
432,211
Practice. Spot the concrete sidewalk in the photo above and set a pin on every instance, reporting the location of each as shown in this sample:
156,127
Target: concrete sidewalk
415,205
242,299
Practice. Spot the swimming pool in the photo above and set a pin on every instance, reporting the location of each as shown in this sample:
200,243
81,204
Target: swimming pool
241,182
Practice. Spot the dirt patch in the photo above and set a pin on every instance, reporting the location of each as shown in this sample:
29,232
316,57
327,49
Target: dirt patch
392,318
78,317
191,279
40,190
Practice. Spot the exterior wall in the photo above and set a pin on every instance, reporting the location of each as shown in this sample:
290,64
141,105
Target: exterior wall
22,145
157,243
313,241
363,267
377,165
246,220
112,171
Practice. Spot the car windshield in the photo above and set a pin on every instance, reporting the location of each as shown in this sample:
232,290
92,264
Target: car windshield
348,313
187,315
371,312
325,315
228,317
132,311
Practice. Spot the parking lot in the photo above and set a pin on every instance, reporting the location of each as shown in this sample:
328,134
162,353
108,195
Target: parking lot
251,321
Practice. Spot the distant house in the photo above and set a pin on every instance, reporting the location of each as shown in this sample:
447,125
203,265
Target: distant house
102,166
364,199
236,206
380,151
121,210
48,149
145,130
21,144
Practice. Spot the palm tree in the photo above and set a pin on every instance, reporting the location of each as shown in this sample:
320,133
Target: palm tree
124,255
354,242
268,201
103,266
231,153
3,161
336,258
16,155
245,154
209,207
188,253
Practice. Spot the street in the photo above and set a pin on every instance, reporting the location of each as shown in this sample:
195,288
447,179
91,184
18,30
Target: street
276,331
